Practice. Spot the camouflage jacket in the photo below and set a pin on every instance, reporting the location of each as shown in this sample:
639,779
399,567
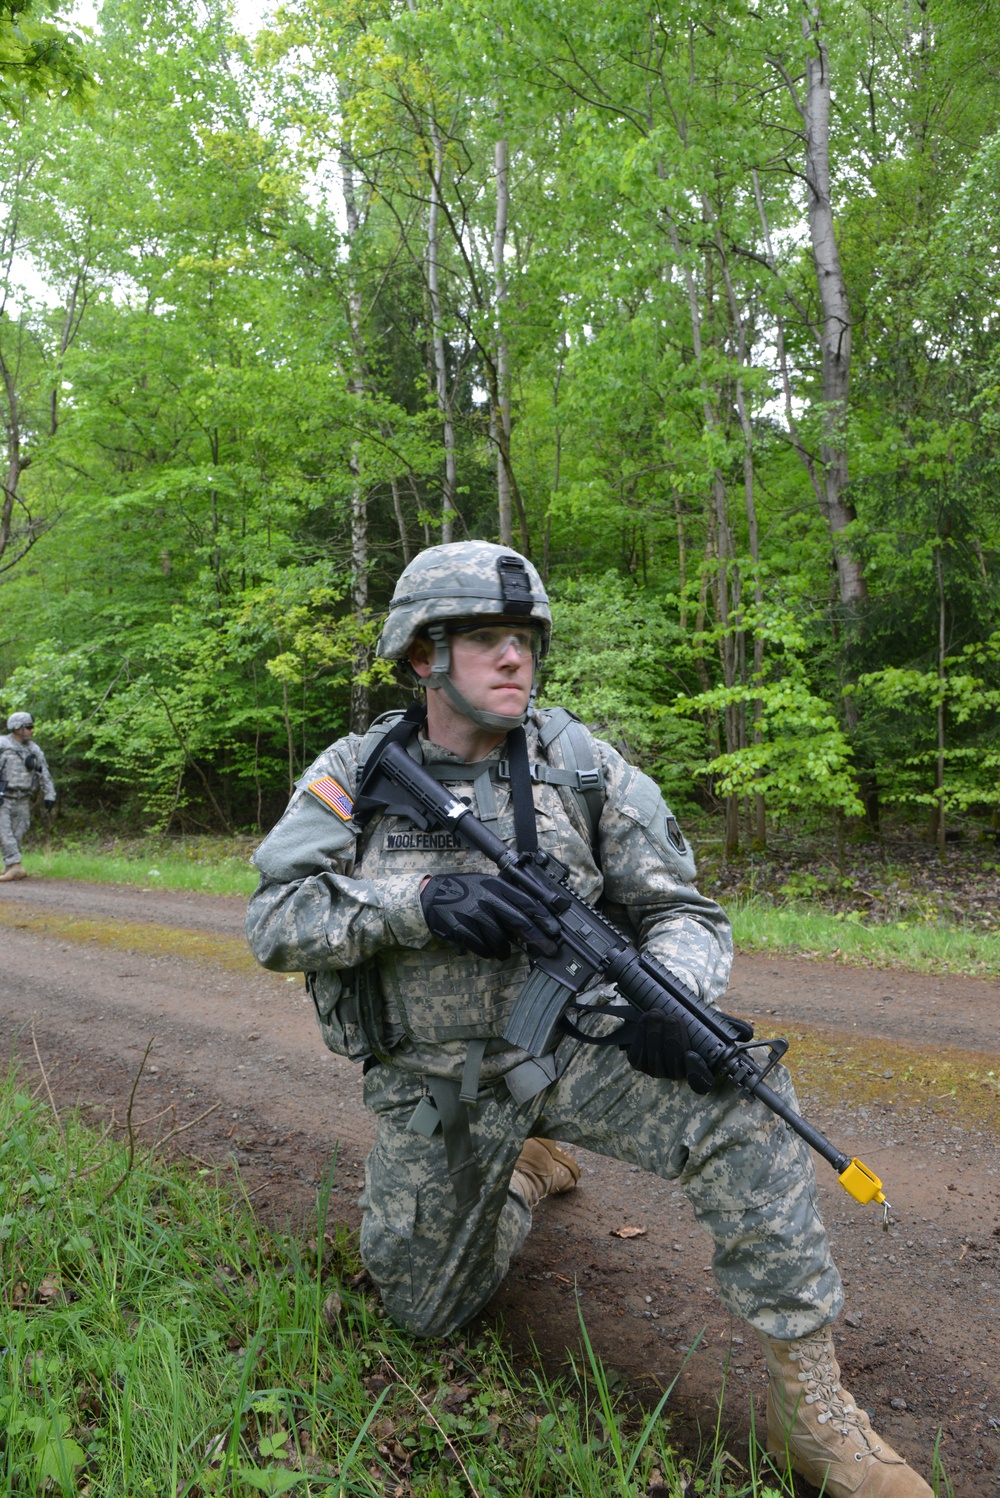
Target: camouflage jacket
335,905
25,768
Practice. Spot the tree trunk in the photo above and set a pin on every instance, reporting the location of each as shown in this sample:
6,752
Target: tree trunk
804,455
719,526
500,414
501,436
759,835
448,507
15,538
681,561
397,510
556,471
360,710
940,827
12,423
835,334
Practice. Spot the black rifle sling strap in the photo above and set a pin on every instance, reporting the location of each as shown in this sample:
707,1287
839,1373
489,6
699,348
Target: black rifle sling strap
525,830
452,1099
526,840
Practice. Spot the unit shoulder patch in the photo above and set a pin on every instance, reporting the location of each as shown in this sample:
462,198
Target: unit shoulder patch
675,834
332,795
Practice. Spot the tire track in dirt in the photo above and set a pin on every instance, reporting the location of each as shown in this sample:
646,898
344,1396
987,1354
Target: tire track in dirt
95,972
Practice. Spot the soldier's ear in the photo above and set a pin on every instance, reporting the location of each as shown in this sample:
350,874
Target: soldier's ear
420,654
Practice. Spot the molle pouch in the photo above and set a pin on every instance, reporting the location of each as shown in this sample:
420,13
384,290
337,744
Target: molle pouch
344,1011
437,995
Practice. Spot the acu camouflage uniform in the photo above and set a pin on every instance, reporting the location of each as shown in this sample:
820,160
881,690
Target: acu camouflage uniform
347,913
25,769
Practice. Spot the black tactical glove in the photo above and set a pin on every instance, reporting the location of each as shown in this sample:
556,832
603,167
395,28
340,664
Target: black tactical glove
480,913
50,803
658,1045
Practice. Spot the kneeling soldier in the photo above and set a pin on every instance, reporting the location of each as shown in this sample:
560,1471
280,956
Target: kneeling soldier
412,967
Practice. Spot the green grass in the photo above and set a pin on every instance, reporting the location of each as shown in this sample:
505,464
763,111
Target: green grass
208,866
925,946
156,1339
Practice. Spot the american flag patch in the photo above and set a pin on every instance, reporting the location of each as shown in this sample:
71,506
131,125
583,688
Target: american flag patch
333,796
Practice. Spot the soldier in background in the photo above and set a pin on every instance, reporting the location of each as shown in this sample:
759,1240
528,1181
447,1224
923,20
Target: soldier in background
413,954
23,769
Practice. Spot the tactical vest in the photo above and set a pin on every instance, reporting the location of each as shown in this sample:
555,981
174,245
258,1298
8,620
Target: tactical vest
550,795
434,994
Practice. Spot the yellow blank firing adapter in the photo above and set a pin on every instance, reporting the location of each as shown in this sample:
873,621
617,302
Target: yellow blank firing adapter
863,1184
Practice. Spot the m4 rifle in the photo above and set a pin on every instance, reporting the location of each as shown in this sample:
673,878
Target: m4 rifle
589,948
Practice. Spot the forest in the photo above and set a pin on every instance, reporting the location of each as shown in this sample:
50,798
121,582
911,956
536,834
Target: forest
695,305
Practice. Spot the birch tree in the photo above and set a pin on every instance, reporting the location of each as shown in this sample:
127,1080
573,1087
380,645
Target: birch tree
813,107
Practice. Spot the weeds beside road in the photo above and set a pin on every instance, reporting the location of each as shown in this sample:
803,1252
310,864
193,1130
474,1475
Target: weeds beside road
157,1339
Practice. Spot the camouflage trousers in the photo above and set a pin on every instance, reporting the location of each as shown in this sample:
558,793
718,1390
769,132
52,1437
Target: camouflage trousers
749,1179
15,818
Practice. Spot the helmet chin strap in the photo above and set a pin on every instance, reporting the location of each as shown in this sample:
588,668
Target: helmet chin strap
440,667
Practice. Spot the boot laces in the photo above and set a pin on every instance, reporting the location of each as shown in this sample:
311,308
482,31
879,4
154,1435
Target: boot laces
815,1357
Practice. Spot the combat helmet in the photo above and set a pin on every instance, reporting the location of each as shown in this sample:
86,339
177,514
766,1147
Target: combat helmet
20,720
463,580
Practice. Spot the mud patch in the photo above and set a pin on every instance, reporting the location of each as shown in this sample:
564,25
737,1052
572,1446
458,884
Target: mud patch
140,937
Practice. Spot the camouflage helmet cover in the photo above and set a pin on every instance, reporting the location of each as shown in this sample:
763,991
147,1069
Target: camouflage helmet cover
462,580
19,720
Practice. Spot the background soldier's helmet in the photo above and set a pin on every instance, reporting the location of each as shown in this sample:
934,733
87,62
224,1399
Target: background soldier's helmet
20,720
463,580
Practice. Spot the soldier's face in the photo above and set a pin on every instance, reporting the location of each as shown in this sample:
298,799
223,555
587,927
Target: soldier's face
493,668
23,734
495,682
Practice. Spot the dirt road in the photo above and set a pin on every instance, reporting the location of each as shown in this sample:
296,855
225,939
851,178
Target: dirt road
90,974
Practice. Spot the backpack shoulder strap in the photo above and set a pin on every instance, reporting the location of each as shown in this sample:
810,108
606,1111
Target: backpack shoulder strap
392,727
581,772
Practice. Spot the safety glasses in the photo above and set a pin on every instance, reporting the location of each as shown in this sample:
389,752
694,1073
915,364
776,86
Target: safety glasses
494,640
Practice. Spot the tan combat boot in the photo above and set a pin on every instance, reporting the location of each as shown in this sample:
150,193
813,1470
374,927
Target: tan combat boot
815,1424
13,871
543,1169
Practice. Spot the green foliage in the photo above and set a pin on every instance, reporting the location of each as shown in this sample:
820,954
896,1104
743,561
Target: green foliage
918,945
38,59
216,866
968,702
615,644
797,754
225,416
